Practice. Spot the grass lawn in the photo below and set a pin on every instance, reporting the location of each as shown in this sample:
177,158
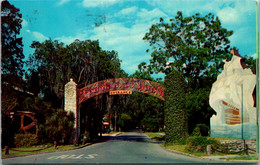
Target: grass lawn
26,150
158,136
113,132
244,158
182,147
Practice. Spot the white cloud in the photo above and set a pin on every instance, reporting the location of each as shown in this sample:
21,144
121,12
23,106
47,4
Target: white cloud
229,15
69,39
254,55
127,11
99,3
24,23
37,36
152,15
229,11
125,39
186,6
236,13
62,2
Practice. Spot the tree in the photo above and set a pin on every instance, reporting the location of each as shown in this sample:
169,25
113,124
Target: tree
152,109
12,51
250,61
195,46
124,121
58,127
142,72
53,64
11,67
198,108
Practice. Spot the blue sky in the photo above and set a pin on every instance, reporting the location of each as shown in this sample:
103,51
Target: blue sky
120,25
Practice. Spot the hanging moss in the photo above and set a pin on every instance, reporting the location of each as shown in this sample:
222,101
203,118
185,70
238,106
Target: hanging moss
175,115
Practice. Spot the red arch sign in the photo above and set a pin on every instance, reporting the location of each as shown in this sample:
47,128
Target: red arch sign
122,86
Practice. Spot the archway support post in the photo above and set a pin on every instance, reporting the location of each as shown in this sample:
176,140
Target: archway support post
71,105
74,96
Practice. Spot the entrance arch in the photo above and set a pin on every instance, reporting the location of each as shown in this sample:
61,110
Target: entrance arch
74,96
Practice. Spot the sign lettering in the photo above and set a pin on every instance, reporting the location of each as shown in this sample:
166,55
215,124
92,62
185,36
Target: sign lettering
120,92
122,84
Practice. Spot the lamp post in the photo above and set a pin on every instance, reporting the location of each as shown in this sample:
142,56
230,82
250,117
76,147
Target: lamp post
115,119
257,80
242,115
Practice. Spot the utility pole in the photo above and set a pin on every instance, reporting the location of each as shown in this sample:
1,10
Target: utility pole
242,116
257,79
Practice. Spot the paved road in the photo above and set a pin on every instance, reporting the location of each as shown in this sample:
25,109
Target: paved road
130,147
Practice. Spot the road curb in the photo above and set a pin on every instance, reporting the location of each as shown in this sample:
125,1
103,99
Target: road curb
174,151
181,153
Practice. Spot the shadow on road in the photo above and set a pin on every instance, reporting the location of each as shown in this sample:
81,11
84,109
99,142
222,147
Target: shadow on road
133,136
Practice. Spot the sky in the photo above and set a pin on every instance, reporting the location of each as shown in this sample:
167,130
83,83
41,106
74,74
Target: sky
120,25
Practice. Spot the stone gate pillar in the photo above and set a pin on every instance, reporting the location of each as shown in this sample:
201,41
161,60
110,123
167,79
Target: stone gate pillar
71,105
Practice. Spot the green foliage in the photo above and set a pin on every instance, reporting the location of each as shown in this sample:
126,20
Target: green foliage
200,130
58,127
124,121
199,143
12,51
42,109
153,113
25,140
175,113
194,45
53,64
11,66
144,110
250,61
85,137
197,107
142,72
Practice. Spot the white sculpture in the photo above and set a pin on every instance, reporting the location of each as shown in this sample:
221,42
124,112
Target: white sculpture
232,98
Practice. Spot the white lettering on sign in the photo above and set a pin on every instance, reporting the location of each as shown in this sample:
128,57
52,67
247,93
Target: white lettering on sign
90,156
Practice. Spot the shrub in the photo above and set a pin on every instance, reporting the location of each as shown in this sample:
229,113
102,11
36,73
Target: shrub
175,114
200,130
59,126
25,140
85,138
199,143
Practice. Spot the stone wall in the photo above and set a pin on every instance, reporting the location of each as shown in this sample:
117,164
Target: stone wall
238,145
